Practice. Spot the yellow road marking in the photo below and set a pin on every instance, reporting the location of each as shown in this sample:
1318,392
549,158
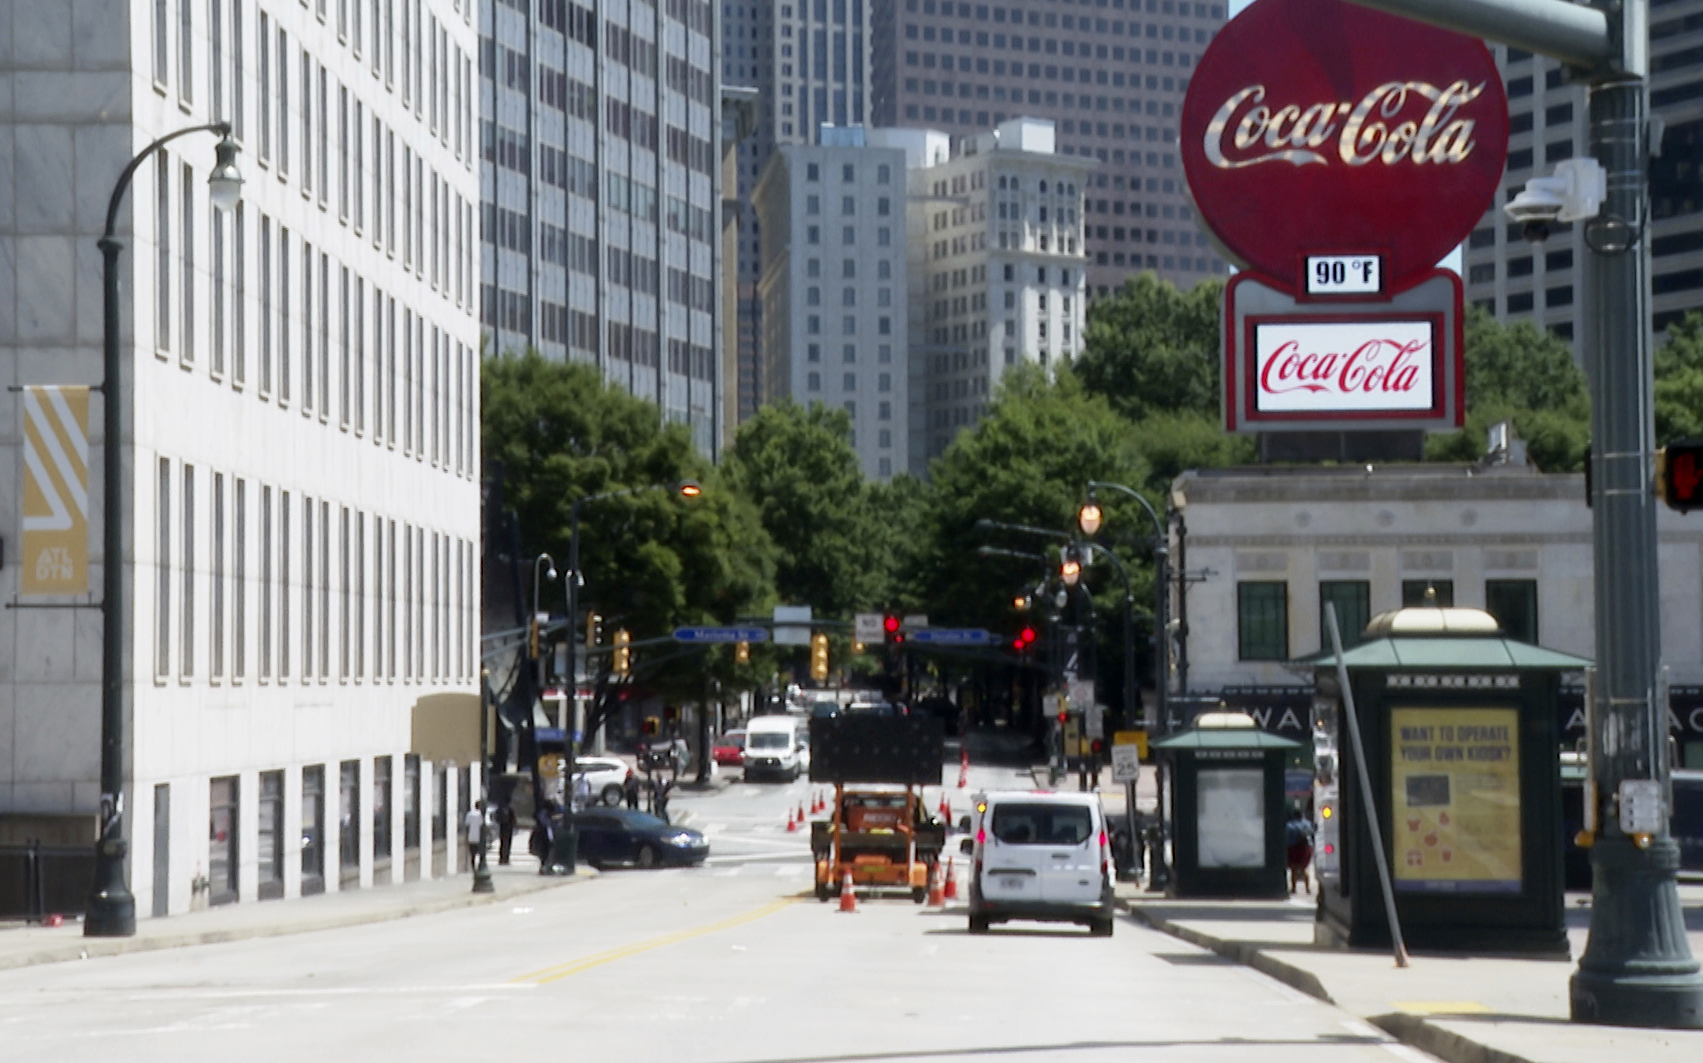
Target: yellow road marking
1444,1007
565,970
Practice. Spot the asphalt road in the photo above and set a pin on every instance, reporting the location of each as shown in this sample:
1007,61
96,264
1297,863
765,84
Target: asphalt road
733,961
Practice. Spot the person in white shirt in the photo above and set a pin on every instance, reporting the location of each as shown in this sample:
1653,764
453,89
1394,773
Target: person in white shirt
475,827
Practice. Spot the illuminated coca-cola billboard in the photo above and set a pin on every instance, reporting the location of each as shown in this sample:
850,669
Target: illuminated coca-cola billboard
1340,151
1293,366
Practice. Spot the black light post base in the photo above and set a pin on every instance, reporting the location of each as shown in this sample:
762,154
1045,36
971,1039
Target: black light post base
112,908
563,855
482,876
1637,969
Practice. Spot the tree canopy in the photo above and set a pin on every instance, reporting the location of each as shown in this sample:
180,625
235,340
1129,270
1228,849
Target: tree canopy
1152,349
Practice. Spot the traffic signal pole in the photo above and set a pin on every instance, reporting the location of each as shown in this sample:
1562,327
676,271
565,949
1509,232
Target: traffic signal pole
1637,969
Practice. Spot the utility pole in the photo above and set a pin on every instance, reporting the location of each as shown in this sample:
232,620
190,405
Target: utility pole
1637,969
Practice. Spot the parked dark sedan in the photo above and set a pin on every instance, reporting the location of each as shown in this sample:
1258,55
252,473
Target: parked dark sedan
625,836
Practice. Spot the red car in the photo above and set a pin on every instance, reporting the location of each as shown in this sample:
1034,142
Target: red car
728,748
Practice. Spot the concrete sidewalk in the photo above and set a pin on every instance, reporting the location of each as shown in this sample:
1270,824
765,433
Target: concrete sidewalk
1461,1009
26,945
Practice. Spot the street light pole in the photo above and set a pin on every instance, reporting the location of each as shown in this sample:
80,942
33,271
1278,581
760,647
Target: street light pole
111,906
564,850
481,868
535,642
1159,874
1637,969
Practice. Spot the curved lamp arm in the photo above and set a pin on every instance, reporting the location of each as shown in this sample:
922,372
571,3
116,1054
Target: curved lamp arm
221,128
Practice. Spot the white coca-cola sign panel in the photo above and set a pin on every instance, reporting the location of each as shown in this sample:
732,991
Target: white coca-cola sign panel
1344,366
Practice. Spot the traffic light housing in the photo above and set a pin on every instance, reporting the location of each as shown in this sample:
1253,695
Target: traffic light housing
819,657
890,625
742,653
623,652
651,726
1679,474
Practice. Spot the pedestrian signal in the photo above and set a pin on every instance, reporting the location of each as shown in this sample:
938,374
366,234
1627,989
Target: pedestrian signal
1679,474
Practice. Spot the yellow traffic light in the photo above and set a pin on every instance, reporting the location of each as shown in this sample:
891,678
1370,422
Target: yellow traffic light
623,653
592,620
742,653
819,657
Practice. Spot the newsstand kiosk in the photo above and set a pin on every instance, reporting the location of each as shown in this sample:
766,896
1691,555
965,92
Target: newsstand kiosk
1459,727
1227,799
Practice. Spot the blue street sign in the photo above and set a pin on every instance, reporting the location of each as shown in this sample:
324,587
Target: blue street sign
952,636
720,634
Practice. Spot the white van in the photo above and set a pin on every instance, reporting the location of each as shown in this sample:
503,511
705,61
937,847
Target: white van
1041,856
777,747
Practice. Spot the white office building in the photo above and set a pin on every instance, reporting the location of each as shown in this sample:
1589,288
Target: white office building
997,269
303,524
833,286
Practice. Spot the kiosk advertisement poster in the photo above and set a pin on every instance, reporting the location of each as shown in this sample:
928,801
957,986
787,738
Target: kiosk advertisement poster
1231,817
1455,791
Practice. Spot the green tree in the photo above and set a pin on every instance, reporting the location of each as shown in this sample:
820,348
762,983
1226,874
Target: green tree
797,465
1152,349
1175,442
1027,461
650,560
1679,382
1515,372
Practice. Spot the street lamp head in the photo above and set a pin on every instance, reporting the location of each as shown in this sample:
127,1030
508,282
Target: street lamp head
551,574
1089,517
1070,569
984,551
689,489
984,524
224,184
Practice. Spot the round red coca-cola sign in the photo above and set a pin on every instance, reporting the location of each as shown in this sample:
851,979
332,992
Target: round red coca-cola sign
1318,127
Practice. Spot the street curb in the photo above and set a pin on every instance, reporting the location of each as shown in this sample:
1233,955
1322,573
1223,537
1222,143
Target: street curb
1446,1045
1412,1030
1243,953
93,948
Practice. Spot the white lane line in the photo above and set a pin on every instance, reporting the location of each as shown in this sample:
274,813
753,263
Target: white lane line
790,871
714,828
1401,1051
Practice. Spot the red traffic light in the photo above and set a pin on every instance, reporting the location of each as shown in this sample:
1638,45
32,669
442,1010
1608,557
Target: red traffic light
890,625
1017,643
1679,474
1027,635
1063,715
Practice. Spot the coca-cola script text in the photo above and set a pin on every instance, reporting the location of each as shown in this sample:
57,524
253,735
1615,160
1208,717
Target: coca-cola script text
1344,366
1398,121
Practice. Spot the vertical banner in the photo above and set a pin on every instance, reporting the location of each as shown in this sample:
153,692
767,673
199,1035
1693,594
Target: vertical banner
56,491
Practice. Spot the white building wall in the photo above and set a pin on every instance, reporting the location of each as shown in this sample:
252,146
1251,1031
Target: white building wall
219,394
1303,526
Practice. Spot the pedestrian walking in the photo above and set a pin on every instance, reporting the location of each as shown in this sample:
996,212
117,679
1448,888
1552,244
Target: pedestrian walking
505,831
543,831
663,785
474,825
631,786
582,792
1298,845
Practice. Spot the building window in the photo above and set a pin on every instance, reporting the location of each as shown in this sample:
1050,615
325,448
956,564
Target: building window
1413,593
269,848
349,819
1513,602
222,856
186,636
1353,601
381,811
1262,619
313,830
162,570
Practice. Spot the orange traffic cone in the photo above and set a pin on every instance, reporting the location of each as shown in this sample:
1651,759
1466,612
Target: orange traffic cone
936,894
791,823
816,802
951,889
963,769
945,810
848,895
801,816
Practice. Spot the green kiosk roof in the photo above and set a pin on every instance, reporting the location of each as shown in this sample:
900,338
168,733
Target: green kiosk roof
1429,637
1219,730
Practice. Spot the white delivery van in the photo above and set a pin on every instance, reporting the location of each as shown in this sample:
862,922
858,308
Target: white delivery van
1042,856
776,747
